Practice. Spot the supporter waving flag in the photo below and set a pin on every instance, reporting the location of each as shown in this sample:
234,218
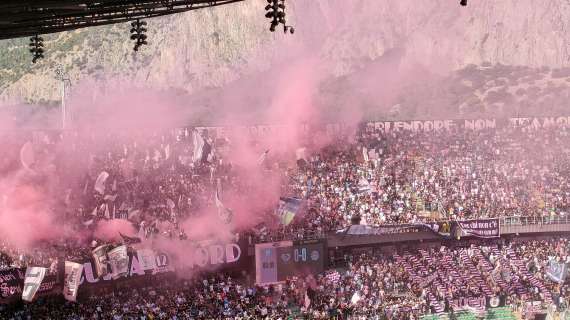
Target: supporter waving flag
225,214
288,209
364,186
100,182
199,143
365,155
557,271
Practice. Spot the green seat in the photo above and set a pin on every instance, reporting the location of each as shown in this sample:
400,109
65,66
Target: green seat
502,313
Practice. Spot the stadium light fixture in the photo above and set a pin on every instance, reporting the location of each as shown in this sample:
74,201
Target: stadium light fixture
276,13
138,34
37,48
463,3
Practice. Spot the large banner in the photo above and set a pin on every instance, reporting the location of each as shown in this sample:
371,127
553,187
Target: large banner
146,258
142,264
277,261
149,262
363,230
119,261
99,255
32,281
12,285
72,277
482,228
467,124
340,129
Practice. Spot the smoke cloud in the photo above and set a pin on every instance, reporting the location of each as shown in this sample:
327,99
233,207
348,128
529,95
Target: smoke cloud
296,90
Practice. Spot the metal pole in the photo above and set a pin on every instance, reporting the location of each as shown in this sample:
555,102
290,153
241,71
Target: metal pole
63,111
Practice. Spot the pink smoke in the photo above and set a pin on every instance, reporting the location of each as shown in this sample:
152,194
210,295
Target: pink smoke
289,93
110,230
24,218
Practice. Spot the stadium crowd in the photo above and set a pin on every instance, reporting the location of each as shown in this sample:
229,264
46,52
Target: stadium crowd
383,285
414,176
383,178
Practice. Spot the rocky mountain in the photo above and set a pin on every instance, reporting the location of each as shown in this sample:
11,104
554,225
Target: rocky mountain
212,48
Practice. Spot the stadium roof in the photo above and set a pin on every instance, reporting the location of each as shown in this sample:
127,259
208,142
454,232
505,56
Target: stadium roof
22,18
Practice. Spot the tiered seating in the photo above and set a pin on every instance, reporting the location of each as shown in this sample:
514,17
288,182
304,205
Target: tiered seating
487,267
417,270
515,285
532,279
474,273
450,272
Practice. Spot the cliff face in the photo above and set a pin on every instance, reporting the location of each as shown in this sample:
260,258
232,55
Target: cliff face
212,47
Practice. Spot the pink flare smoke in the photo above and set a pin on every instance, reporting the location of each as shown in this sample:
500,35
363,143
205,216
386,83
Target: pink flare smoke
110,230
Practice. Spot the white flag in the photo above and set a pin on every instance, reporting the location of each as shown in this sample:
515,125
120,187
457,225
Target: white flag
307,301
119,261
365,154
72,277
355,298
167,152
100,182
147,260
198,147
225,214
262,158
32,282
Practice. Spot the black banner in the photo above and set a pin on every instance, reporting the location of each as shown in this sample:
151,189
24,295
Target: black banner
226,257
12,284
482,228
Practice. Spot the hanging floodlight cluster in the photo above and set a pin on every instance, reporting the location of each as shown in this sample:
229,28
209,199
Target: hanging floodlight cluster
138,31
276,12
463,2
37,48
